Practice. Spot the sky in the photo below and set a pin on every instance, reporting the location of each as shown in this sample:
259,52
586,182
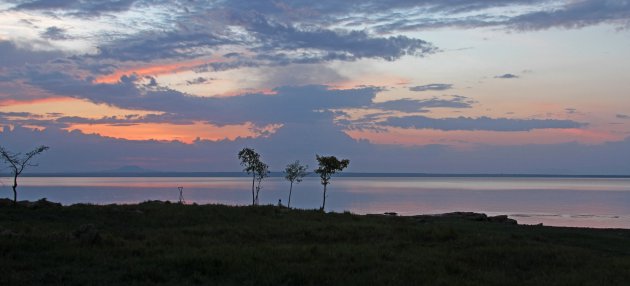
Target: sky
426,86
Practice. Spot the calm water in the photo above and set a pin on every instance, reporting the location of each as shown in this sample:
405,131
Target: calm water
553,201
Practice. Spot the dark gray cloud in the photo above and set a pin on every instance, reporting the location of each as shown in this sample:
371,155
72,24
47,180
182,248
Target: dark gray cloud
575,14
154,45
86,8
480,123
55,33
17,57
125,120
333,45
357,10
271,44
4,115
623,116
506,76
18,114
199,80
422,105
380,16
18,119
433,86
535,15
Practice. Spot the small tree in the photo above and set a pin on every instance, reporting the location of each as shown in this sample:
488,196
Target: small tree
249,159
261,171
329,165
17,162
294,172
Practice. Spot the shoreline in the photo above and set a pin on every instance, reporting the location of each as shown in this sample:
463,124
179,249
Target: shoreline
496,217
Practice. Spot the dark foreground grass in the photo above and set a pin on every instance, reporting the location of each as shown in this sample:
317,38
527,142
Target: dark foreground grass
161,243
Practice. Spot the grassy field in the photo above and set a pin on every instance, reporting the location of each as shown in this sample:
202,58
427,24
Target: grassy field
162,243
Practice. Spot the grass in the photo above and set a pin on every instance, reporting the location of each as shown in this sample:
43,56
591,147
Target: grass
162,243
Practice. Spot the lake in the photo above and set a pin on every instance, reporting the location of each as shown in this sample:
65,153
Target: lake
587,202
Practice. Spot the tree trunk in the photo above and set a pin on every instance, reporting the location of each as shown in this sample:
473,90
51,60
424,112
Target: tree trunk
15,188
257,192
290,189
324,202
253,197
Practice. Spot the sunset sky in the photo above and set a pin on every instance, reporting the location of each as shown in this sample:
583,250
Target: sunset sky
434,86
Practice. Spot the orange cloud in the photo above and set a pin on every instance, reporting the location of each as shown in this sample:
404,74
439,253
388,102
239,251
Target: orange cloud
172,132
154,70
67,106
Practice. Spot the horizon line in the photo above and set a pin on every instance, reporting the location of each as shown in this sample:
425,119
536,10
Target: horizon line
280,174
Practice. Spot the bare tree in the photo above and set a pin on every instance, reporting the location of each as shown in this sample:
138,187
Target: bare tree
329,165
17,162
249,159
294,172
261,171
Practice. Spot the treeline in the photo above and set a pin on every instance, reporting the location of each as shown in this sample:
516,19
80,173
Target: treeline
294,172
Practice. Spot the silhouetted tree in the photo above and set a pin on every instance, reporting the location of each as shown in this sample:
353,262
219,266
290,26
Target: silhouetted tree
329,165
294,172
262,171
249,159
17,162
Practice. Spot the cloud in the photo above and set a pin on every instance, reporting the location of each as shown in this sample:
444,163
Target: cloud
480,123
333,45
75,151
198,80
298,74
433,86
506,76
84,8
371,15
156,45
17,57
421,105
268,44
288,104
55,33
236,34
623,116
20,114
307,103
575,14
535,15
330,9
